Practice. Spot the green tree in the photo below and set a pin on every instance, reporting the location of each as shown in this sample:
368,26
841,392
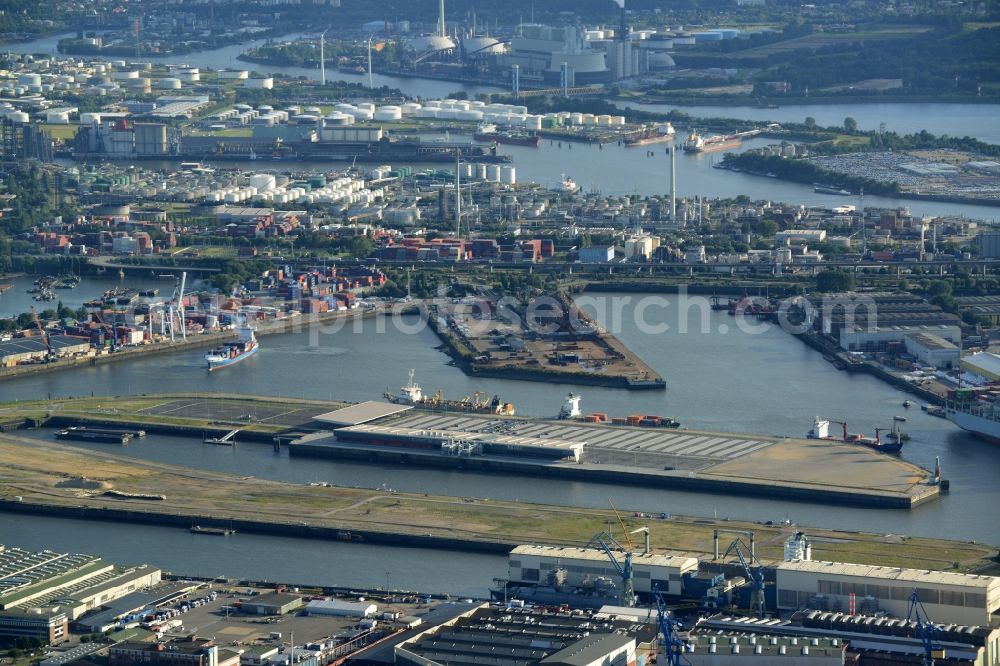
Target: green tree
850,124
833,280
810,122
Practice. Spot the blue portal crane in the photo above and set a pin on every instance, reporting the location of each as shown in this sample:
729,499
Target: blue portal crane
673,646
605,541
927,631
755,575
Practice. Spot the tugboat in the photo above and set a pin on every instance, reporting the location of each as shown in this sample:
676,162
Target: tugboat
234,351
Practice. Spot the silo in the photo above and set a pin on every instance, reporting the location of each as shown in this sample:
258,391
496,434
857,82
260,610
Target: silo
493,173
508,176
481,171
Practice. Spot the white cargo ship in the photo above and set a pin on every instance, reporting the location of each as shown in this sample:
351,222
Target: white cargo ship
977,411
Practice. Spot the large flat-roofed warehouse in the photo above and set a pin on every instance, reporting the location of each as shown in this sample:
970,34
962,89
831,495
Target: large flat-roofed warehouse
953,598
74,582
498,636
22,350
532,564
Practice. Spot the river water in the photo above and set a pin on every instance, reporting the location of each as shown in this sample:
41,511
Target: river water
719,378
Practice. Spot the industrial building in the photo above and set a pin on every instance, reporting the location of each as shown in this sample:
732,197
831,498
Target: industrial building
879,338
272,603
933,350
859,639
23,350
341,608
950,598
983,364
501,636
533,564
40,592
541,51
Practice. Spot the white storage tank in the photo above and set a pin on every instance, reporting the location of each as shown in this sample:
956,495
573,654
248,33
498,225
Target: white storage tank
469,116
589,119
339,119
388,114
603,119
508,176
576,118
362,114
617,120
169,83
131,74
410,108
368,106
57,117
493,173
344,107
314,110
481,171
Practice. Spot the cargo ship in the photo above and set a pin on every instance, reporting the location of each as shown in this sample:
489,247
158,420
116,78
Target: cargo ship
412,394
568,185
657,134
696,143
976,411
820,188
570,411
488,132
821,430
233,351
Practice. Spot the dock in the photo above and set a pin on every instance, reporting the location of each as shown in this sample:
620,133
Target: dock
693,460
225,440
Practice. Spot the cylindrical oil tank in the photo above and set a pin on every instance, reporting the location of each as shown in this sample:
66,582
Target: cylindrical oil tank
493,173
508,176
388,114
481,171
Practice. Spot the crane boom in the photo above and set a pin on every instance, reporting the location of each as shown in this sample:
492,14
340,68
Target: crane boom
605,541
755,574
673,646
621,522
44,333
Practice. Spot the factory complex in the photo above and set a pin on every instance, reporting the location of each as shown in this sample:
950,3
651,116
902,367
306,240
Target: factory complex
42,593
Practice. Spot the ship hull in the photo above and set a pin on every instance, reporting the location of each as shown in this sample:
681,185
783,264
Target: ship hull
531,141
645,141
983,428
713,147
215,365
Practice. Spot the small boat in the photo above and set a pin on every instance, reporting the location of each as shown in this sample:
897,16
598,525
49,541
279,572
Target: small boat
901,419
907,403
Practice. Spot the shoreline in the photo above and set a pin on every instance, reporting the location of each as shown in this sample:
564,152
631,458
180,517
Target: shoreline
287,325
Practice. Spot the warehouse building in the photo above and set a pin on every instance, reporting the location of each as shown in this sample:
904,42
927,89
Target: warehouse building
878,338
582,566
984,365
272,603
341,608
953,598
933,350
23,350
521,637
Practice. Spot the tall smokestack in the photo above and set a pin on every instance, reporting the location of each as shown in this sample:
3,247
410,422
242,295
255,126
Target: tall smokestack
442,28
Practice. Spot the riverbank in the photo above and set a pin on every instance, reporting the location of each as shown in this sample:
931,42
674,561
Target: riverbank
819,100
36,471
204,340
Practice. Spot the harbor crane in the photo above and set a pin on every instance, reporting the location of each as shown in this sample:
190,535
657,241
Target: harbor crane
927,631
755,574
605,542
673,646
44,334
